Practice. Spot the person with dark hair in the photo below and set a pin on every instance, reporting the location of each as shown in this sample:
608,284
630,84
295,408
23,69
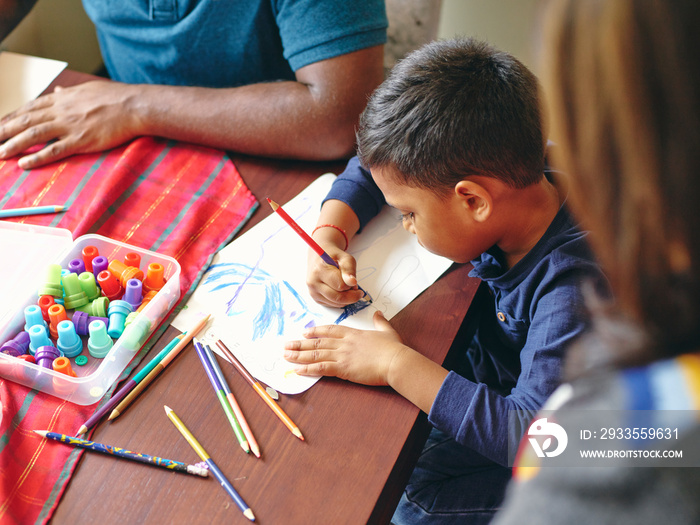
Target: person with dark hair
623,92
282,79
453,140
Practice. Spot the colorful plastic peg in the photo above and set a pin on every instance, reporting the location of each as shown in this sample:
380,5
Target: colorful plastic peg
123,272
75,296
96,308
38,336
69,341
57,313
52,284
111,288
33,316
118,310
62,364
89,253
99,342
99,264
132,294
76,266
45,302
154,277
18,345
132,259
45,355
89,285
81,321
136,333
147,299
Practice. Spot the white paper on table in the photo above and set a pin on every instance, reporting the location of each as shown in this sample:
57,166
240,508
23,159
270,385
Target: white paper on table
256,293
23,78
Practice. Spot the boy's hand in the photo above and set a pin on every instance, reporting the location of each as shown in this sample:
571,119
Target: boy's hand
331,286
361,356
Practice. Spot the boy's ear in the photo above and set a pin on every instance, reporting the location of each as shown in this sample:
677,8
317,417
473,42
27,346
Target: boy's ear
475,198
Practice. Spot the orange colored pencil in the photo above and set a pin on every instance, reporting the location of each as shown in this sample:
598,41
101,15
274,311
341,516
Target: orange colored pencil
260,390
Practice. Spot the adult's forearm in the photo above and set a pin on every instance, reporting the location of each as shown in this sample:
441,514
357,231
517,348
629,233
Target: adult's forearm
278,120
312,118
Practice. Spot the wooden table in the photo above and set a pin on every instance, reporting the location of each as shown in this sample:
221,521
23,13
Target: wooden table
361,442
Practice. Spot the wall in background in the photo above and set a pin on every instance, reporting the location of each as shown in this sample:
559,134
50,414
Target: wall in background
510,25
60,29
57,29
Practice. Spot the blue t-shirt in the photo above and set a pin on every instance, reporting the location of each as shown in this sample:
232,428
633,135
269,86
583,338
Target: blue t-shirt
516,355
228,43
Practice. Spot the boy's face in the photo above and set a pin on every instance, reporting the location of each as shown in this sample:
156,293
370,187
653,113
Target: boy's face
444,226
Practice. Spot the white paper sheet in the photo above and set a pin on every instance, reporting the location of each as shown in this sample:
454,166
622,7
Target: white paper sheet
256,291
23,78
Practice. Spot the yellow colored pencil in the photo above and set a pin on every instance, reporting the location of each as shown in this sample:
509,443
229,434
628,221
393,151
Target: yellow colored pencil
213,468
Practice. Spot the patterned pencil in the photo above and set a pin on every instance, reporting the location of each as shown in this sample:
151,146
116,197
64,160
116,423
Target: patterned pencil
232,400
221,395
221,478
169,464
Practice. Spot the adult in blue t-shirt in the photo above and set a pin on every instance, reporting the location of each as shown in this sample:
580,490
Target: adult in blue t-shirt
281,78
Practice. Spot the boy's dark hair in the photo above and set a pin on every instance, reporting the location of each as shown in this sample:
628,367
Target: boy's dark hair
452,109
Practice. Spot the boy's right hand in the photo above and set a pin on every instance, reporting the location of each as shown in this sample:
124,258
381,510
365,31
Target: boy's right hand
331,286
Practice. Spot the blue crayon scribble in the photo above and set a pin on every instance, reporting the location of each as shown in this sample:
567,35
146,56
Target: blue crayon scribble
281,302
352,309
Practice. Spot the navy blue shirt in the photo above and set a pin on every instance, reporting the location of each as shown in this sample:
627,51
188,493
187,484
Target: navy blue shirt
228,43
516,355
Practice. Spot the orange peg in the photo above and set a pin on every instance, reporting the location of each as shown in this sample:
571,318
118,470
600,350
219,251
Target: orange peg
146,298
62,364
132,259
154,277
89,253
57,313
45,302
123,272
110,286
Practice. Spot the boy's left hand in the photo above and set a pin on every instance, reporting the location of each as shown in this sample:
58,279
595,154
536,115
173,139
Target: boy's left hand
361,356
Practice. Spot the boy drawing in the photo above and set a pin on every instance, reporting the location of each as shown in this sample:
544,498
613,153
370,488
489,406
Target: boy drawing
454,142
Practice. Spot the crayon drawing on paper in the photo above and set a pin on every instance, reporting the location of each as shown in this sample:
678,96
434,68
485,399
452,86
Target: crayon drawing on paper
256,290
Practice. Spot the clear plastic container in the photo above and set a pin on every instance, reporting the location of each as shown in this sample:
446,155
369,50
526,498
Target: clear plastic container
95,378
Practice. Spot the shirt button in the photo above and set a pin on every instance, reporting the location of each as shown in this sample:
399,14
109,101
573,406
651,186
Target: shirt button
501,316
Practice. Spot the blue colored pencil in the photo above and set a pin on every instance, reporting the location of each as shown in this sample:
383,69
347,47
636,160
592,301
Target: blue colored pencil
214,469
33,210
228,410
123,453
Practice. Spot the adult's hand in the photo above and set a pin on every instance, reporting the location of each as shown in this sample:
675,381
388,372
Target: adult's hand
89,117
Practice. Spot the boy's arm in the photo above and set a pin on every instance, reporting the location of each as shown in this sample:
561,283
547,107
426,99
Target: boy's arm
370,357
488,421
351,202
